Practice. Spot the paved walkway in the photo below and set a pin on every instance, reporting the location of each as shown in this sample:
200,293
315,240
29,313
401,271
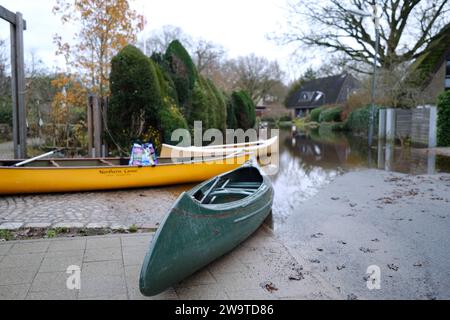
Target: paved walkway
144,208
260,268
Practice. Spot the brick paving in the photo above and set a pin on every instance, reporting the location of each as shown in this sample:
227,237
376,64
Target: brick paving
110,267
143,208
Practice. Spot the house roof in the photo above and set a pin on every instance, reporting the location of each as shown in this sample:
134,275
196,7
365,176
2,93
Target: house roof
437,50
318,92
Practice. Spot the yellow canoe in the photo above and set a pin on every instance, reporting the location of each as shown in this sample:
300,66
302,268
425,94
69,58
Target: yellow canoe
70,175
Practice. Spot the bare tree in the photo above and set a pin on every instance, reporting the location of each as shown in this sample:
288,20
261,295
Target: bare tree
159,39
207,57
3,69
256,75
406,28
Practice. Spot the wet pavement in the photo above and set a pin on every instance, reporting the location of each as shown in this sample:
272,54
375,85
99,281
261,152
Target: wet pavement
396,222
260,268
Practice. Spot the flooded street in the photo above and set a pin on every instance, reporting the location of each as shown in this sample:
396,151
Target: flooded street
340,215
310,161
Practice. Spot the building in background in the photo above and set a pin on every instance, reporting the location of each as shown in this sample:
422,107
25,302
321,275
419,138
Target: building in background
316,93
434,66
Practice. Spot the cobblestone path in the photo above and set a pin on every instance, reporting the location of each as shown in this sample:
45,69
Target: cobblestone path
144,208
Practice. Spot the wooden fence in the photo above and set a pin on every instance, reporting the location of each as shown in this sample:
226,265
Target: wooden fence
419,125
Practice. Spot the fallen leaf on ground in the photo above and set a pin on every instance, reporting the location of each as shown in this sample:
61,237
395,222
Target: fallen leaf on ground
269,286
392,267
316,235
367,250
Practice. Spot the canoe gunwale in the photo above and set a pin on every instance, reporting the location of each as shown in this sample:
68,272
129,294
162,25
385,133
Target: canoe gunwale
209,160
242,145
222,149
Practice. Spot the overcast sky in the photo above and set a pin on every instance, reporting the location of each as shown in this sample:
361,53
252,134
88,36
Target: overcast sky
240,26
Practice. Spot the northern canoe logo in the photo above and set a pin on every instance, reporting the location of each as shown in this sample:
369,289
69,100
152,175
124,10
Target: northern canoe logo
117,171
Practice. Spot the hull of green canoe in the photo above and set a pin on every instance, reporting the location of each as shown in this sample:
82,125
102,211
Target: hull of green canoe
192,236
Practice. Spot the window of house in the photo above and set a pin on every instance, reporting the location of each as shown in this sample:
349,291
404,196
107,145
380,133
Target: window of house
305,96
447,75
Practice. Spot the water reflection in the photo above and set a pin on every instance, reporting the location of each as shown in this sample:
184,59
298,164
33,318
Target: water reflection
310,160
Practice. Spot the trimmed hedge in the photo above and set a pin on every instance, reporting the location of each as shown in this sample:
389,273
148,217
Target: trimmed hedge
358,120
244,109
135,97
183,73
231,114
315,114
443,122
151,97
170,120
331,115
220,106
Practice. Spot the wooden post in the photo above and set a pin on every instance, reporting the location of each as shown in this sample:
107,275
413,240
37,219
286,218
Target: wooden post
18,89
105,102
97,117
90,123
17,25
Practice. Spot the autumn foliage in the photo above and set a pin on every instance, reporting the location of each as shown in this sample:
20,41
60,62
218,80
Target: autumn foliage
106,27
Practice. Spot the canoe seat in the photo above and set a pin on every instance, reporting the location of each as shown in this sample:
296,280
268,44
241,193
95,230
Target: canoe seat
245,185
231,191
220,194
54,163
106,162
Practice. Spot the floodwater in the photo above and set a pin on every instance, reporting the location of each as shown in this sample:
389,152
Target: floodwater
310,160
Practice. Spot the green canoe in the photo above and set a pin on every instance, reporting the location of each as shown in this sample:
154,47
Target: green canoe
204,224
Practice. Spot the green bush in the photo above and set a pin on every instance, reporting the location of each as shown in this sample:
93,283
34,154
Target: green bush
331,115
5,110
200,106
171,119
443,122
315,114
286,117
244,109
231,114
358,120
5,235
183,73
219,107
135,100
